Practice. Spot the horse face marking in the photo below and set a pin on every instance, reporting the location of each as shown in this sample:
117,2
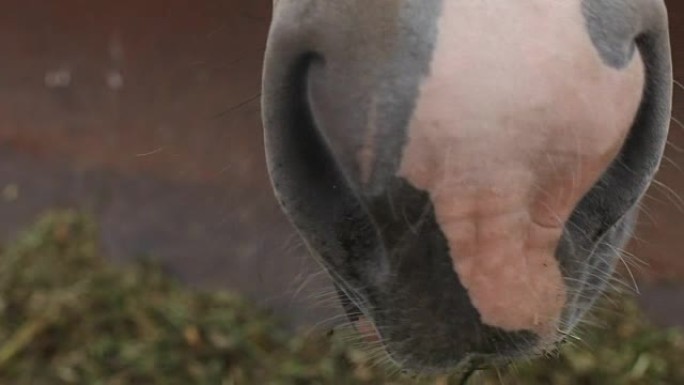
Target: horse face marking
546,141
463,185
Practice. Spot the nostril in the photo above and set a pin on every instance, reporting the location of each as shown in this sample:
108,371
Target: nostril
308,180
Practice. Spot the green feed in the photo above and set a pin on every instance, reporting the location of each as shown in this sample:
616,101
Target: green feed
68,317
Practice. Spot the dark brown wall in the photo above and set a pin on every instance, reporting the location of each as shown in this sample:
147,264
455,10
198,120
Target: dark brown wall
183,64
157,132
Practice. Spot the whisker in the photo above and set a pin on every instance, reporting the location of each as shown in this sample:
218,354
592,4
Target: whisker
677,122
237,106
631,275
318,324
647,212
325,295
675,147
678,84
305,282
651,197
675,198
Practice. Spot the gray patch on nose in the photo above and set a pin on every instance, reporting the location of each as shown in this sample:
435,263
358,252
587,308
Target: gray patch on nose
399,86
614,26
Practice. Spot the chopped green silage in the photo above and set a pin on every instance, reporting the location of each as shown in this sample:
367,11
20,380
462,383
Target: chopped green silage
68,317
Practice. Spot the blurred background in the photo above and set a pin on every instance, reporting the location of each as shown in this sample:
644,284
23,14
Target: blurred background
146,115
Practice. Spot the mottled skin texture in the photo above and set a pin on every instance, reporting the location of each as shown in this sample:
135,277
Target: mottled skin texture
466,171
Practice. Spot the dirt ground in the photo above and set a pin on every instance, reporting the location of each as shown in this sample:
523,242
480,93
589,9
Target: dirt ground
147,114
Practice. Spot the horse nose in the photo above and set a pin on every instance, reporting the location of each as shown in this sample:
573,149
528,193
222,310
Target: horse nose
441,173
424,313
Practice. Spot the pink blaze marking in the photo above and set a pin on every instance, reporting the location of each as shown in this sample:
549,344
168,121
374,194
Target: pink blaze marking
512,127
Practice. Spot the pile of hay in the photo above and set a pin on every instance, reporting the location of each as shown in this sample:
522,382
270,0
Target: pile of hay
67,317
